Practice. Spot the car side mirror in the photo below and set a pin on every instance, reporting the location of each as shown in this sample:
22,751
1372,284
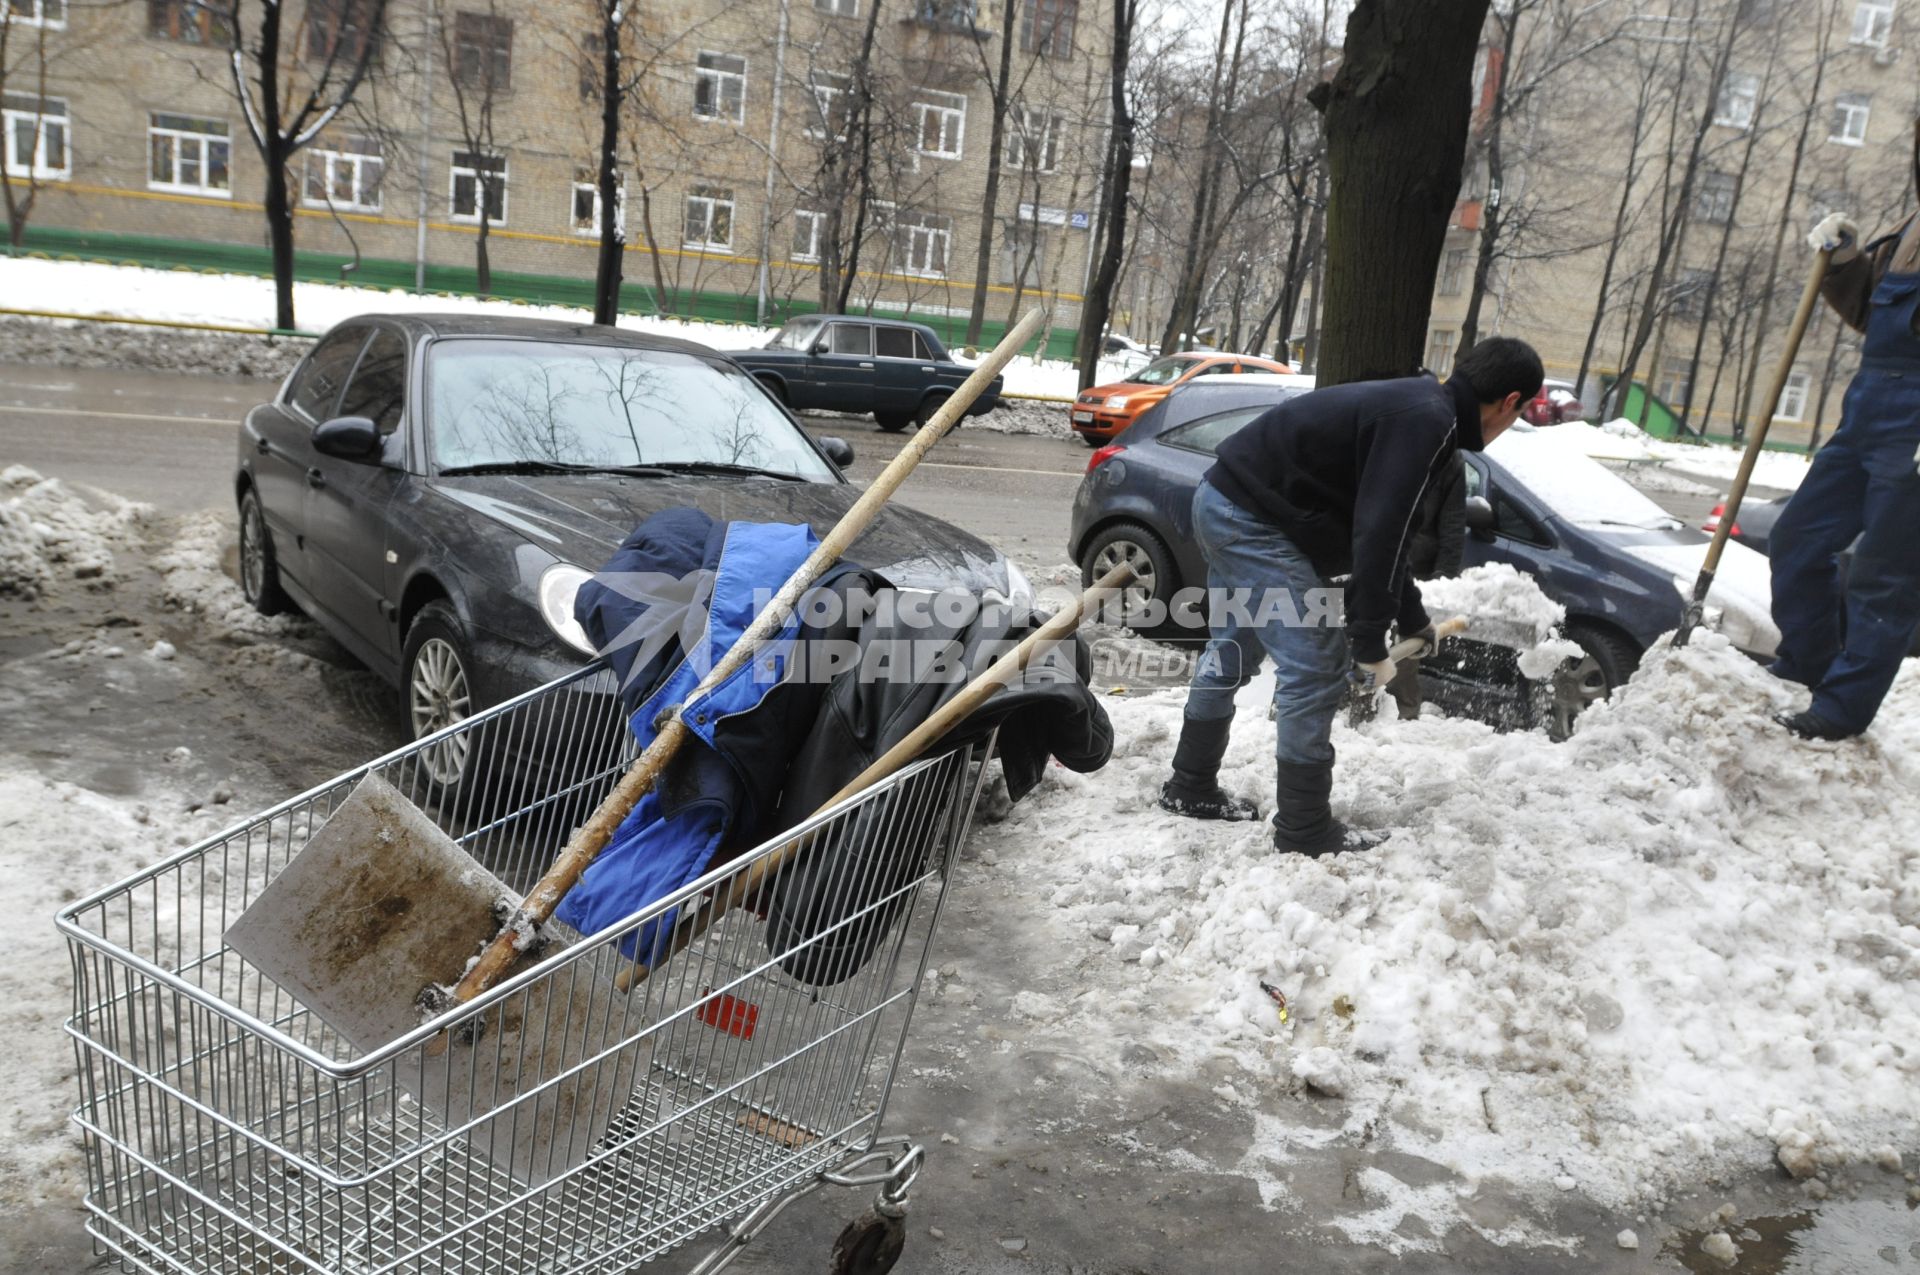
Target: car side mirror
348,438
838,450
821,347
1480,518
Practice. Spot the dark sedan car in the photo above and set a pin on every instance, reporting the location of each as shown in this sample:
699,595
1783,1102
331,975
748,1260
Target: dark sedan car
1618,563
846,363
434,489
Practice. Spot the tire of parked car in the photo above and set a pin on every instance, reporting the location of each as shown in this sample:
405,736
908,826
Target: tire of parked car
436,691
929,405
1156,577
259,570
1609,661
893,422
773,388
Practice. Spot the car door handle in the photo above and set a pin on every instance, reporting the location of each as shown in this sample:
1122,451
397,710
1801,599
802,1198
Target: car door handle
315,478
867,366
929,371
261,445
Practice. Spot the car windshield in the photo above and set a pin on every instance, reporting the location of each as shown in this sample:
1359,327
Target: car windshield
797,334
1162,372
547,403
1574,485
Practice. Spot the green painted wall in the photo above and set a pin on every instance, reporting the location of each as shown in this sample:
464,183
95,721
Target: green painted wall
62,243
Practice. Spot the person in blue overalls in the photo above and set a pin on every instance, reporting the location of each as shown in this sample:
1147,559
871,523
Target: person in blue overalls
1846,640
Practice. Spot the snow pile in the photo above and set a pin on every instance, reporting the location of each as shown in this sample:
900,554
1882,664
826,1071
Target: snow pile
1620,440
52,836
193,580
49,532
1497,595
1675,946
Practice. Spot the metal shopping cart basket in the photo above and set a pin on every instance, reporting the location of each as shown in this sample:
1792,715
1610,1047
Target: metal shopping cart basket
228,1130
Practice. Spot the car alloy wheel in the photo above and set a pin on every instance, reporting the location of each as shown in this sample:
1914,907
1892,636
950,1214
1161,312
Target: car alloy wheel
438,695
253,556
1580,683
1146,579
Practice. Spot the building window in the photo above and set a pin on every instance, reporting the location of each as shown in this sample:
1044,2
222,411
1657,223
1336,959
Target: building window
807,228
1440,347
1687,295
592,53
1873,22
188,154
36,130
483,51
1046,27
1739,95
35,13
923,241
828,118
1034,140
1453,273
839,8
720,87
344,174
339,30
941,123
709,218
467,169
187,21
1850,112
1713,201
957,14
1674,388
1793,398
586,204
1023,254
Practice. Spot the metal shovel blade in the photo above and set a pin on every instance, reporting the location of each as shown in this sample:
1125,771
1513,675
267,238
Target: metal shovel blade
369,914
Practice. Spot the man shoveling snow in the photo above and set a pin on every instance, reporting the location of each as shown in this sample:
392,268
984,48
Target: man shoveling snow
1325,484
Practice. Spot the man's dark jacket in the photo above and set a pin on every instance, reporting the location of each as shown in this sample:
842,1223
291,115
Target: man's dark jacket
1341,471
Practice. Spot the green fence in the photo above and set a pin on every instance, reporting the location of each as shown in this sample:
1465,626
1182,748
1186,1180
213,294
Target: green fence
1658,419
63,243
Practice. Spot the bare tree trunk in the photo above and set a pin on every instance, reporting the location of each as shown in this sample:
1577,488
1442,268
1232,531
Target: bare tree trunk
1117,179
664,298
1673,235
1002,88
1491,214
1619,228
1814,104
1202,235
1397,113
606,266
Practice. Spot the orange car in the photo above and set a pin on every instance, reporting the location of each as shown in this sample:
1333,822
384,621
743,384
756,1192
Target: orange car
1105,410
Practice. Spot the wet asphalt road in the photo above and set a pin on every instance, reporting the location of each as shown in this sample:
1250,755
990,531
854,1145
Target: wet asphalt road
169,439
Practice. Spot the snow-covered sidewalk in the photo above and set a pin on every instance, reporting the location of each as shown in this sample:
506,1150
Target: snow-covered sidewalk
1621,442
1671,949
183,296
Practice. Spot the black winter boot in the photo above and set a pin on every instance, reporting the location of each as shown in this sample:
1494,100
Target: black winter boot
1303,821
1194,790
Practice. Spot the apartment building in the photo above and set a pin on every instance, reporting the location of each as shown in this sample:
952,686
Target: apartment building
1842,70
478,123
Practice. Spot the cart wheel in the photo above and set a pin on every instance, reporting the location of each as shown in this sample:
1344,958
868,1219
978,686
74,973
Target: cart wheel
870,1245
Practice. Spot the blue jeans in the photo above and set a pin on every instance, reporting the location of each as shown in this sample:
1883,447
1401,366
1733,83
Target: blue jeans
1847,644
1283,610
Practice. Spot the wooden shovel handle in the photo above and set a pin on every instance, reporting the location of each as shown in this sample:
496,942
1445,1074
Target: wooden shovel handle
592,836
999,675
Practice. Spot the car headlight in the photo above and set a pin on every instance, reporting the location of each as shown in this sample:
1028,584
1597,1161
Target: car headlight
1116,402
559,585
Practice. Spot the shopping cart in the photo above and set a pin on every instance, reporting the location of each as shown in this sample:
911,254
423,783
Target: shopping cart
228,1130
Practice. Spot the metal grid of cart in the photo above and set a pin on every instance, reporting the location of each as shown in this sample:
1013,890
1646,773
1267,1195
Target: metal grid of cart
229,1131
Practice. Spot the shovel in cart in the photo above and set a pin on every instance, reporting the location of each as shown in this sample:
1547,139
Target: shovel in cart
381,923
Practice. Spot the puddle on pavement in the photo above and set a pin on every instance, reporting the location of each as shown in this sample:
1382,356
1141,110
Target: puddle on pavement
1845,1237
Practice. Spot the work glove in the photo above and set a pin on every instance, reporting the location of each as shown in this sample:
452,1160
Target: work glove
1429,642
1376,674
1836,234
